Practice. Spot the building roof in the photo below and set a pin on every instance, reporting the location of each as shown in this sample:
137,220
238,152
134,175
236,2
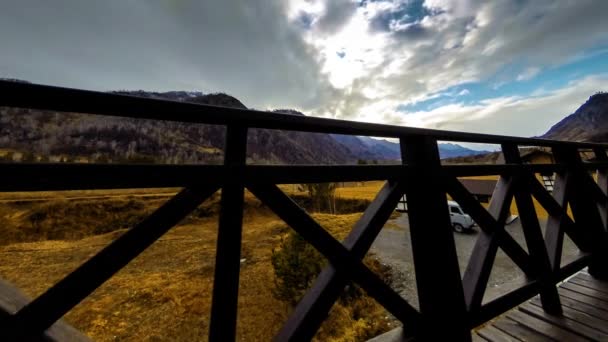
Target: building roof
479,186
528,154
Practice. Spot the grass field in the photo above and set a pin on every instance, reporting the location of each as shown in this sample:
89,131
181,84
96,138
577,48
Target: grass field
164,294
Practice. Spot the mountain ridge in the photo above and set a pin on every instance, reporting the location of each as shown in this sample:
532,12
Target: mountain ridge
55,136
588,123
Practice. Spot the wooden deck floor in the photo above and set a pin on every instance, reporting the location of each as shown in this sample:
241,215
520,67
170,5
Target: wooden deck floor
585,316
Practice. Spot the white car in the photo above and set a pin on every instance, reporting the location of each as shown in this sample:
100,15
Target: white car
461,222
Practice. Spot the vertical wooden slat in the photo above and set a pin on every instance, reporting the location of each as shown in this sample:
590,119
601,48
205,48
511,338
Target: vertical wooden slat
533,236
440,291
224,305
554,231
585,210
479,268
602,182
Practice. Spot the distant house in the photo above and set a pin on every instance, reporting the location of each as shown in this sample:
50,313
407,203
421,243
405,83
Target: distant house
540,156
482,189
536,156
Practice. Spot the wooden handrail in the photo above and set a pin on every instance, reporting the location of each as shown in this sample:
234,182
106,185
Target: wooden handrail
443,295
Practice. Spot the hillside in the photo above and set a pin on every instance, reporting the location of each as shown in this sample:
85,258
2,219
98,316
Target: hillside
74,137
588,123
34,135
367,148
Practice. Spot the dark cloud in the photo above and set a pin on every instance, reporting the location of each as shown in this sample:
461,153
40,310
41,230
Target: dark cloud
245,48
336,14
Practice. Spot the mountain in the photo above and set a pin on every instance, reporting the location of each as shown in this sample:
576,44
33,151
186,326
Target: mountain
451,150
29,135
72,136
588,123
367,148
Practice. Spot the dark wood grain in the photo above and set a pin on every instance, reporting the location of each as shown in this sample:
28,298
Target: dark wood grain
564,322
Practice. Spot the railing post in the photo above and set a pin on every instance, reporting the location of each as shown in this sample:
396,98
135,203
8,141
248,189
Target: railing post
584,209
228,253
533,235
602,182
440,292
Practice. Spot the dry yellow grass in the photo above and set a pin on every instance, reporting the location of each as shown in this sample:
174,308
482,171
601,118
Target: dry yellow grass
54,195
164,294
356,190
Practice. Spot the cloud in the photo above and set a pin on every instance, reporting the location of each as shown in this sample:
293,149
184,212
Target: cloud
249,49
528,74
410,53
464,92
520,116
347,59
335,15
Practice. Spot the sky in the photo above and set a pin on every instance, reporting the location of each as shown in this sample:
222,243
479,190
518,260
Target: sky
512,67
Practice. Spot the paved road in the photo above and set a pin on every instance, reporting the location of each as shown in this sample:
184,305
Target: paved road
393,247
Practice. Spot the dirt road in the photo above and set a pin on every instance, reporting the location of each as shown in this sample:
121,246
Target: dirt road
393,247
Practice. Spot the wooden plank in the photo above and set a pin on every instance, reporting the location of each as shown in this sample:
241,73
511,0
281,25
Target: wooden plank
438,280
599,284
580,306
28,95
582,298
580,316
73,176
589,284
584,208
585,291
602,182
519,331
564,322
492,334
544,328
224,302
477,338
533,234
12,299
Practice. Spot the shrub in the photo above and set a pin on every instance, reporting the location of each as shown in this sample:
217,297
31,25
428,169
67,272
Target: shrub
354,317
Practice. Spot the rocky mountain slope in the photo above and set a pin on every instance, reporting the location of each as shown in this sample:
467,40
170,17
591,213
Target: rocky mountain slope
588,123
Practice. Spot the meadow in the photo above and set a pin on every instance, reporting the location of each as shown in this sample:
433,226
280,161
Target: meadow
165,293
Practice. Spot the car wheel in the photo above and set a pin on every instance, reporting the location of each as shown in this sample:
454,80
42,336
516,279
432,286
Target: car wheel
458,228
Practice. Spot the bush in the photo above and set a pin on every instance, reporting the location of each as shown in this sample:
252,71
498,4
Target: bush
354,317
296,265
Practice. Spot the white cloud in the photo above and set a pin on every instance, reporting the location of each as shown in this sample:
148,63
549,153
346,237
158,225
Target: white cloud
519,116
249,49
528,74
460,42
464,92
275,53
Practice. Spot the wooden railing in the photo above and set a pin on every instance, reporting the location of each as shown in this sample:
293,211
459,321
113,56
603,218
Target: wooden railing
450,303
